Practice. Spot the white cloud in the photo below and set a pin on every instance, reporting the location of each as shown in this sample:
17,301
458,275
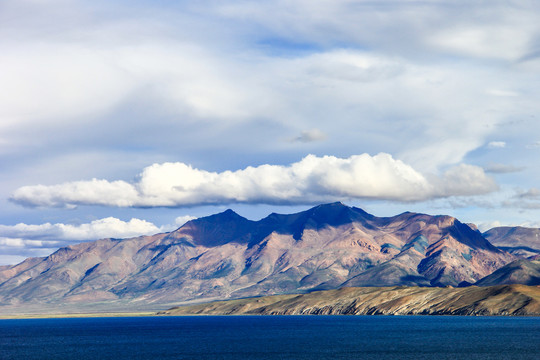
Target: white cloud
20,243
181,220
103,228
24,240
496,144
98,192
311,180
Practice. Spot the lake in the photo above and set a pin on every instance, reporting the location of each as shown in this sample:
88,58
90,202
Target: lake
272,337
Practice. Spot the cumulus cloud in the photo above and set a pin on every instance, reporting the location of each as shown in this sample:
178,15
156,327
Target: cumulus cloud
311,180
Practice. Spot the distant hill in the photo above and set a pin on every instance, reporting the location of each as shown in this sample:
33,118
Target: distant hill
518,272
520,241
227,256
494,300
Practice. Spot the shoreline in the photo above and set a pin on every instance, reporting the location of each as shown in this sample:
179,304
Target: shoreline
75,315
145,314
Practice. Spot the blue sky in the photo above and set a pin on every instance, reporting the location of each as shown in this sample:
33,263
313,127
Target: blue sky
123,118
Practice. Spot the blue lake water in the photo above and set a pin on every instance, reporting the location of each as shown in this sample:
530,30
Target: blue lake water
272,337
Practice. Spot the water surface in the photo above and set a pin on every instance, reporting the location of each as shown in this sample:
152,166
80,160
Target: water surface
272,337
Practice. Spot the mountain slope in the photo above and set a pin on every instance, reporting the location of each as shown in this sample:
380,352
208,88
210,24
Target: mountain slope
227,256
517,272
495,300
521,241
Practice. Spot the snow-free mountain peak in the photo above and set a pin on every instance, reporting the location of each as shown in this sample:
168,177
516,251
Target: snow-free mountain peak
216,230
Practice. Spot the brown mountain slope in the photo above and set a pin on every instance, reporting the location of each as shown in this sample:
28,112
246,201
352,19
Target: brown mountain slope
496,300
521,241
524,272
227,256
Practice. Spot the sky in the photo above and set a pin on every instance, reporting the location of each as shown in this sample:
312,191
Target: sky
122,118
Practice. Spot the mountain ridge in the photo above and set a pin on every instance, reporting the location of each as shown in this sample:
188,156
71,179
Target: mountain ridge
517,240
228,256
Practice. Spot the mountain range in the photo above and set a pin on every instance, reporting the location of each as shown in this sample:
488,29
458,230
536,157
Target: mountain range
226,256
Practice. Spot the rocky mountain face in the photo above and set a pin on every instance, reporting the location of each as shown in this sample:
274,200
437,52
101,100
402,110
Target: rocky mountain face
227,256
520,241
494,300
521,271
